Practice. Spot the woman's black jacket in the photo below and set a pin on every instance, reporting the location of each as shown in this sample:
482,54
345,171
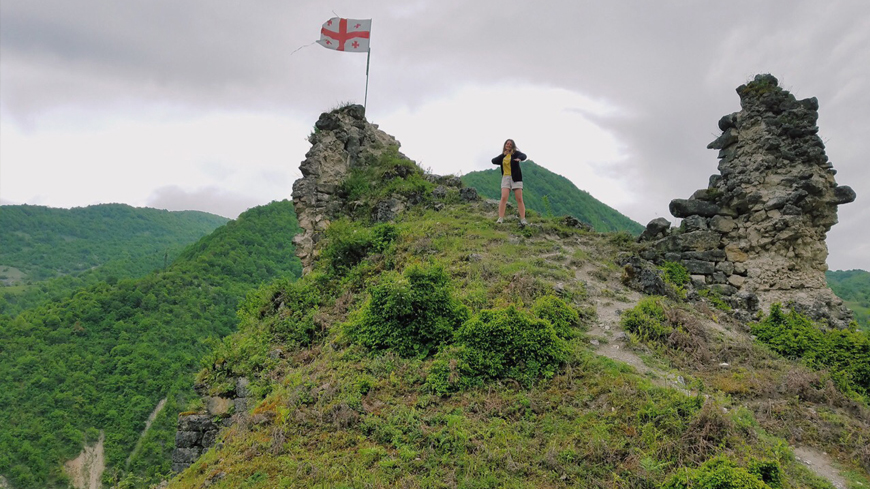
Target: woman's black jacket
516,173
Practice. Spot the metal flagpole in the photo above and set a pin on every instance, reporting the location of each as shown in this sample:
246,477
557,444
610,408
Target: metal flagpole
368,58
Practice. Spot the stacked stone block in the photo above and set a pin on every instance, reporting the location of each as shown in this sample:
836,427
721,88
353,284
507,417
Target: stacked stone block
197,432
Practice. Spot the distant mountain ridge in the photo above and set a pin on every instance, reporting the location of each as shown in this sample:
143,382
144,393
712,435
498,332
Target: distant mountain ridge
47,253
102,358
547,192
74,240
853,286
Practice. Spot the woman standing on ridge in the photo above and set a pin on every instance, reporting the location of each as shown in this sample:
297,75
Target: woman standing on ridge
511,178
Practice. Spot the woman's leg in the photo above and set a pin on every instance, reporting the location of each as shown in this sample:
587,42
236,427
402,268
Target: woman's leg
505,192
521,206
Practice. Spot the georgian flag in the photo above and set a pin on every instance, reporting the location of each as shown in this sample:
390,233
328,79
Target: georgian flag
350,35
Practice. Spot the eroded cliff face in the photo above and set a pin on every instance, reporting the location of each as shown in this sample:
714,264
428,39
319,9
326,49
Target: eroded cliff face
758,230
342,139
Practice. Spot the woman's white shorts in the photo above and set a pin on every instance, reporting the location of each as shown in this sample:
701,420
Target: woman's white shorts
508,182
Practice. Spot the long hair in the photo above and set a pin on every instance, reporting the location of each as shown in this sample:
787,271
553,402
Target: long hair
514,148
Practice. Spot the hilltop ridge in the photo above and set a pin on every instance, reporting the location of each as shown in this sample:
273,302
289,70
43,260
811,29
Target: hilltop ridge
428,346
551,194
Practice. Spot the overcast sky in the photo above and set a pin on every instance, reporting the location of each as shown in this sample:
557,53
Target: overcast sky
203,104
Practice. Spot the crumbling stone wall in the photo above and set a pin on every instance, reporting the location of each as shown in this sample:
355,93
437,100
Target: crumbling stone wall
197,432
759,227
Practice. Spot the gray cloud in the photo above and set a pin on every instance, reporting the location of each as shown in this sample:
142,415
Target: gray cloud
210,199
670,66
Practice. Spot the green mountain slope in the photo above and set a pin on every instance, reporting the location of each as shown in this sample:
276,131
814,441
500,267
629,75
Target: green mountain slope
550,194
103,358
47,253
853,286
444,350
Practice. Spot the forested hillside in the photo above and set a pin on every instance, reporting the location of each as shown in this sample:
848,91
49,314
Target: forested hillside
554,195
103,358
47,253
853,286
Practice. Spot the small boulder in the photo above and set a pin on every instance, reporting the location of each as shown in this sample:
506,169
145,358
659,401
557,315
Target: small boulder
468,194
573,222
685,208
642,276
655,227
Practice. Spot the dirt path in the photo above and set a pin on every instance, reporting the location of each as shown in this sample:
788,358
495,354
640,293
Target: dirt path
150,420
821,464
86,470
610,298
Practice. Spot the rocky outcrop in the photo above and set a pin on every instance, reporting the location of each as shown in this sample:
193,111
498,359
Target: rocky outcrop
760,225
344,140
341,140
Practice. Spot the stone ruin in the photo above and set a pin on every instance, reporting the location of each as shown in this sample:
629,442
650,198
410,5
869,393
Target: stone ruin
342,140
756,234
197,431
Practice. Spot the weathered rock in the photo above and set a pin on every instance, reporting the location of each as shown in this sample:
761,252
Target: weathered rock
735,254
725,267
242,387
709,255
697,267
195,422
723,224
844,195
573,222
685,208
700,241
196,432
240,404
736,280
386,210
187,439
185,455
641,275
468,194
655,229
694,223
217,406
440,192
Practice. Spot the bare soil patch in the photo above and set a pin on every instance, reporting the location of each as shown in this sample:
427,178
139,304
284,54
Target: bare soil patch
86,470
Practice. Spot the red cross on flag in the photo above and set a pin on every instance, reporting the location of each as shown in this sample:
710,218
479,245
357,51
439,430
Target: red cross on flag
350,35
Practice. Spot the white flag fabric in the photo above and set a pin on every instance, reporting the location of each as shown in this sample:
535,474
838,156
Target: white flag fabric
351,35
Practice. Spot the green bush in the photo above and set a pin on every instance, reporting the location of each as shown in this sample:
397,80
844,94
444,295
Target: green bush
715,298
676,275
508,343
647,320
380,178
722,473
348,243
563,317
411,314
845,352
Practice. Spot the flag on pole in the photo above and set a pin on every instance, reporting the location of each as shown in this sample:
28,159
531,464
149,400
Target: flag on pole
350,35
